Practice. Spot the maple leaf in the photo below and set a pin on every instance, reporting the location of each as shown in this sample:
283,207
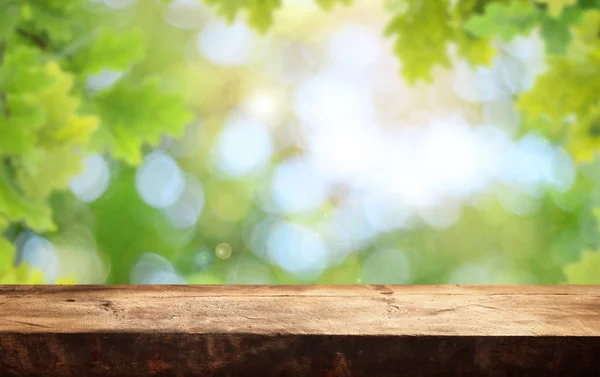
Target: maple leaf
422,35
556,7
134,114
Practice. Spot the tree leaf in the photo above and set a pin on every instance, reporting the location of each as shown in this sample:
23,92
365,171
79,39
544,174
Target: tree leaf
557,30
584,138
329,4
134,114
505,20
476,50
17,207
567,88
111,48
422,35
260,11
556,7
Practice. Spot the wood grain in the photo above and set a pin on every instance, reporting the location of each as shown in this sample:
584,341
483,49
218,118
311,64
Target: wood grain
299,330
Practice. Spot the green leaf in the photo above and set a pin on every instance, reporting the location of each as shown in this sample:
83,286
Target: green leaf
17,207
58,6
588,4
556,7
49,16
111,49
584,138
586,44
422,35
38,175
505,20
22,275
566,88
24,72
134,114
63,125
260,12
557,31
477,51
9,274
395,6
18,130
42,136
424,29
329,4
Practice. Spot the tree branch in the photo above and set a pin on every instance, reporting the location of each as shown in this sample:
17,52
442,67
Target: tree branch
36,39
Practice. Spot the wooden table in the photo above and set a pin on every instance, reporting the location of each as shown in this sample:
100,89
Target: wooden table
299,331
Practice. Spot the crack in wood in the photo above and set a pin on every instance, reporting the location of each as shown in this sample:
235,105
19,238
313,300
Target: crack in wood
26,323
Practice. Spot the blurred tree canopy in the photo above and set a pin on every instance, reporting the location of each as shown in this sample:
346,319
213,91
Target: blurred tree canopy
50,120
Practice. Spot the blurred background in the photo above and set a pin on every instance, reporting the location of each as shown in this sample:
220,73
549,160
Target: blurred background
312,161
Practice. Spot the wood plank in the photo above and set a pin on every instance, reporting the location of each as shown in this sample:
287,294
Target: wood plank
299,330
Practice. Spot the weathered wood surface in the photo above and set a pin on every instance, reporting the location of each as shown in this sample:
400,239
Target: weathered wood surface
299,331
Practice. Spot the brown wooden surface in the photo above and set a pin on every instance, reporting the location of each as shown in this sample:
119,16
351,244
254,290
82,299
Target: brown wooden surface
299,331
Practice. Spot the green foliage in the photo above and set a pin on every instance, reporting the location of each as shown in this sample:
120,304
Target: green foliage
506,20
425,29
556,7
569,88
49,22
50,119
110,49
584,136
260,12
22,274
477,51
47,49
556,30
41,131
134,114
518,17
566,88
422,35
329,4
